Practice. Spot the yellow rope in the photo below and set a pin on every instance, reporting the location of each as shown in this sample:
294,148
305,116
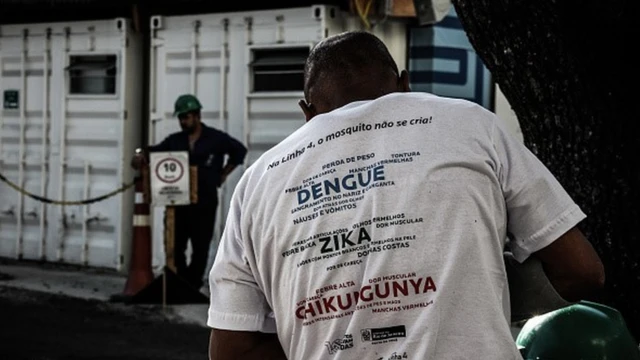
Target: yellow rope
62,202
364,13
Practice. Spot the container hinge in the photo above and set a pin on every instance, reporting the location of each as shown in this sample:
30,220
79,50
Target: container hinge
125,114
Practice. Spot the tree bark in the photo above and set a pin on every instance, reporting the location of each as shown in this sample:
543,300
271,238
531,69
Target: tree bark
565,67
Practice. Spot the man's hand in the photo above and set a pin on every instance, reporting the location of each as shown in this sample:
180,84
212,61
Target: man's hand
138,160
226,171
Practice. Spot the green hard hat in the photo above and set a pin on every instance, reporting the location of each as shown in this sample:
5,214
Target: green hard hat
186,103
581,331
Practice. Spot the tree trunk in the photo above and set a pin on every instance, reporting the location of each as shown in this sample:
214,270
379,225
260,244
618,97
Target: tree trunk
566,69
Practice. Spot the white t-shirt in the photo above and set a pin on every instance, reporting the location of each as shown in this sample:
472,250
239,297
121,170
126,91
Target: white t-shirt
377,231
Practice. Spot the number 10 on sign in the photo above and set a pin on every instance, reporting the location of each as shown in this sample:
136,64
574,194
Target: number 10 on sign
170,178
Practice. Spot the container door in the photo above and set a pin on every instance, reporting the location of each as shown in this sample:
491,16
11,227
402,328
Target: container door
63,135
188,56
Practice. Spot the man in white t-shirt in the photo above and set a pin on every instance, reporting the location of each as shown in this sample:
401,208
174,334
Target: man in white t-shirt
377,230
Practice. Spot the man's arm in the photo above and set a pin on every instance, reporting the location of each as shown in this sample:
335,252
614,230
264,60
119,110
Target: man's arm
245,345
542,219
142,154
237,153
572,266
167,144
226,171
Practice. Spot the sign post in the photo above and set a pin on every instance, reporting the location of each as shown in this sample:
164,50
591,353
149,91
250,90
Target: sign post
170,184
173,183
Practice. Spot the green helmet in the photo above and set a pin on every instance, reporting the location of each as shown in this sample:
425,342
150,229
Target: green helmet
186,103
582,331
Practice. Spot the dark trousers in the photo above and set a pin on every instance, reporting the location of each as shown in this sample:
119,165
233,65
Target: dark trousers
194,222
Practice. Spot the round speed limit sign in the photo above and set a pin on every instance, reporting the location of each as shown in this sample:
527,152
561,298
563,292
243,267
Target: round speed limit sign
170,178
169,170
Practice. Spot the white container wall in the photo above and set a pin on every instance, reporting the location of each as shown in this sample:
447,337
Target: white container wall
504,111
246,69
70,118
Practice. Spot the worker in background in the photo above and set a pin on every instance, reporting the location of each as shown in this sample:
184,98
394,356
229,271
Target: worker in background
207,149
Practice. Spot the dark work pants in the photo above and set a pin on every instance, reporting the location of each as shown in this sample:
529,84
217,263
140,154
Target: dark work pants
194,222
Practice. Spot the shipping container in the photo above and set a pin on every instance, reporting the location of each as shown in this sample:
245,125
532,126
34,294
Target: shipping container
247,70
70,119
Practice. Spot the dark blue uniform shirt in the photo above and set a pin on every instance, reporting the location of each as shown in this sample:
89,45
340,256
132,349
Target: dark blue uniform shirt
208,155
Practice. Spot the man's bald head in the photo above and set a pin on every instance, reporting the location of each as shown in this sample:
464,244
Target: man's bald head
349,67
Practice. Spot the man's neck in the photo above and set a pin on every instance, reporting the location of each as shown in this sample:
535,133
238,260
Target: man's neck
196,133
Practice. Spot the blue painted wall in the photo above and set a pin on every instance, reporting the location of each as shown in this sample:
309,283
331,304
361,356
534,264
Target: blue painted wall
443,62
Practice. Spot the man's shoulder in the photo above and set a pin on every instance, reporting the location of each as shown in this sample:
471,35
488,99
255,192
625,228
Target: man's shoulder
206,129
444,105
171,138
174,135
213,132
418,96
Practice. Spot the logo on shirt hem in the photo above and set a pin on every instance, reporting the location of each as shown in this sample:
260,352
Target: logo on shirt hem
339,344
383,335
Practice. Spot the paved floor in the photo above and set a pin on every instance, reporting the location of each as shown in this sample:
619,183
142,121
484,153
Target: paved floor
45,326
88,284
53,312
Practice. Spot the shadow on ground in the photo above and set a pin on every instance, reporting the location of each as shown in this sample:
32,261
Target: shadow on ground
42,326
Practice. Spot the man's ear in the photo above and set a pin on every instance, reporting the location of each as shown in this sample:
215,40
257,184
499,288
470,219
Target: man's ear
307,109
403,82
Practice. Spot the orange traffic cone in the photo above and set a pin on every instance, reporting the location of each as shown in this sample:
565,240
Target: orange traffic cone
140,273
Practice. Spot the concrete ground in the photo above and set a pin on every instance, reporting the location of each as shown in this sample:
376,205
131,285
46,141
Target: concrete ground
48,312
82,283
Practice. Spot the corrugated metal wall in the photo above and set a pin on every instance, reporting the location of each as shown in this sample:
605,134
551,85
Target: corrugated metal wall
31,11
70,116
191,53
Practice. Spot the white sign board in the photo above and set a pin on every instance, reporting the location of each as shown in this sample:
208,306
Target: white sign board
170,183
